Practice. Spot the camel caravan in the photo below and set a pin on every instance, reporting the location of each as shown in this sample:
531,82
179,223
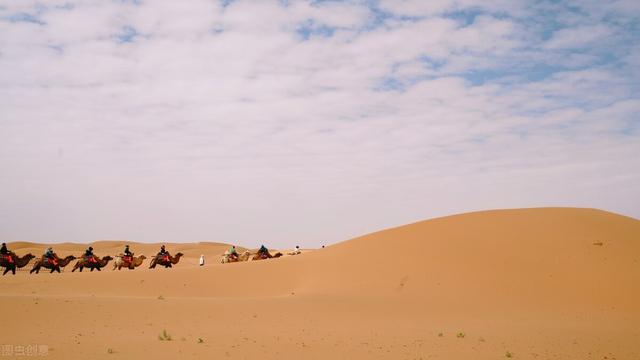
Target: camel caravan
263,253
51,261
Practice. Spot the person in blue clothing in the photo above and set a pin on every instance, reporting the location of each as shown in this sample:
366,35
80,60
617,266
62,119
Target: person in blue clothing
50,256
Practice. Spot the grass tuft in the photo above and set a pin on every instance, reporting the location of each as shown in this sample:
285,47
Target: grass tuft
164,336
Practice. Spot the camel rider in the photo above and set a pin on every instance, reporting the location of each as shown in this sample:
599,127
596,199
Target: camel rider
127,256
163,254
263,250
50,255
4,252
88,254
233,252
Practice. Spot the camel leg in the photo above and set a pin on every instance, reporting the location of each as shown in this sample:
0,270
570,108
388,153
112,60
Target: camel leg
35,267
6,270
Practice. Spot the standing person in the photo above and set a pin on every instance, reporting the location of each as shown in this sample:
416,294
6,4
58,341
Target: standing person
202,260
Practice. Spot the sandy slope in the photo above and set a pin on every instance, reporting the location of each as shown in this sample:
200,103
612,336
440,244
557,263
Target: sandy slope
529,282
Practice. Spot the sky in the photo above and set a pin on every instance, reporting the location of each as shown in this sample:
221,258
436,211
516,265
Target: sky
309,122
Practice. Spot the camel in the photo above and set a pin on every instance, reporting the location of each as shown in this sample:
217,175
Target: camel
165,260
262,256
54,266
226,258
136,261
92,264
13,261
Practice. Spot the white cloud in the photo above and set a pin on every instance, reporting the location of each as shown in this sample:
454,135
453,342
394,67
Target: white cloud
578,37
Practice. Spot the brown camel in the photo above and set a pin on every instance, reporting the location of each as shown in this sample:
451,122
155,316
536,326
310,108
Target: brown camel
92,263
227,258
13,261
136,261
267,255
54,266
165,260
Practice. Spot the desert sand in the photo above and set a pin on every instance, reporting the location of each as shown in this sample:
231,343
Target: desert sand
546,283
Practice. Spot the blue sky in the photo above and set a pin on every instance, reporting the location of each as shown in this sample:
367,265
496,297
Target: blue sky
295,122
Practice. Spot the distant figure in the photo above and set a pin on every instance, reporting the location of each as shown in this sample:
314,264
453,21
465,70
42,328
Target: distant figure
263,250
3,249
162,251
202,260
323,246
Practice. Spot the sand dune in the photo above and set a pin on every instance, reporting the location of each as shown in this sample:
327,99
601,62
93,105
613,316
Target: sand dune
531,283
